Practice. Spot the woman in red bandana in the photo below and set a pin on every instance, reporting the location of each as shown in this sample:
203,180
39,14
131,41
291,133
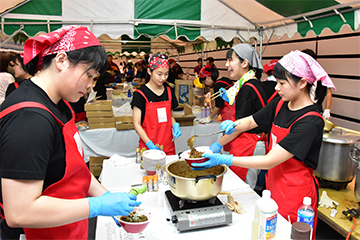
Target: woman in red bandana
296,128
152,108
46,187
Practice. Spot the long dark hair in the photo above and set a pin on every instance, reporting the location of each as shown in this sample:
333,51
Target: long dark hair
281,73
95,56
258,72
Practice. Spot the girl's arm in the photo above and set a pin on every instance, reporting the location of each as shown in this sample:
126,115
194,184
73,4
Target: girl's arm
24,206
276,156
246,124
215,112
96,189
172,118
137,125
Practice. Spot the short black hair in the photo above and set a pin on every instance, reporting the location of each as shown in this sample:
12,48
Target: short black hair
199,60
210,59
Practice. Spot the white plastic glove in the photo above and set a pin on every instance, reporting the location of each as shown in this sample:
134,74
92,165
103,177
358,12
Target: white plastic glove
205,120
326,114
327,202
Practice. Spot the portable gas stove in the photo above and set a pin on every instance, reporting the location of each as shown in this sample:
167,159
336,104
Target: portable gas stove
189,215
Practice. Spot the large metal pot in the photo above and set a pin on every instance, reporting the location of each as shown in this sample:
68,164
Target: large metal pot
354,155
334,162
191,187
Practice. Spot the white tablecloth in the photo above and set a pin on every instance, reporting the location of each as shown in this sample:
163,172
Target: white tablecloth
109,141
118,177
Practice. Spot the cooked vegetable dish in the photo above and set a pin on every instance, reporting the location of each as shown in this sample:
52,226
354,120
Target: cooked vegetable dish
182,169
134,217
195,154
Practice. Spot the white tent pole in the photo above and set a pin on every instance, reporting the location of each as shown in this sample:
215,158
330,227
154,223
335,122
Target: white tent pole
12,35
261,31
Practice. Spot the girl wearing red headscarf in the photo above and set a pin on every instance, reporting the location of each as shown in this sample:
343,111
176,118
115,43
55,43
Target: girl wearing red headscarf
296,128
152,108
46,188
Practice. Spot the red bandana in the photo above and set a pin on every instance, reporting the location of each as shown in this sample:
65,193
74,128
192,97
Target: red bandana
158,60
64,39
205,72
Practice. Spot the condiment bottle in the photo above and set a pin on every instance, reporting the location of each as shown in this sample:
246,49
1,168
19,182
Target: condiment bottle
159,172
137,156
156,183
145,181
264,224
203,112
151,183
165,176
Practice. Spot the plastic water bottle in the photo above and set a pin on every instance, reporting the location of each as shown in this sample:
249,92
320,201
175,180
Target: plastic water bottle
306,214
266,211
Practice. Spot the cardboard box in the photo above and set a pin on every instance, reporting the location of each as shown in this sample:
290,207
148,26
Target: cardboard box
184,91
101,125
185,120
101,119
95,165
90,114
187,109
124,123
100,105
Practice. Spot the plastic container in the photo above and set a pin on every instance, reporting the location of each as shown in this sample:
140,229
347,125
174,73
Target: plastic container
159,172
265,222
300,231
306,214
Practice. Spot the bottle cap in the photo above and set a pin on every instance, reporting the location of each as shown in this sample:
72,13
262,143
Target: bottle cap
144,179
307,201
300,231
266,193
158,166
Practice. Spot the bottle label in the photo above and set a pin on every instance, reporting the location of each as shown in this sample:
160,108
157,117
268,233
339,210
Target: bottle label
267,225
306,219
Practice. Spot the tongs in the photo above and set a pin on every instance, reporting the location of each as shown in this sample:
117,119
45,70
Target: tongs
191,140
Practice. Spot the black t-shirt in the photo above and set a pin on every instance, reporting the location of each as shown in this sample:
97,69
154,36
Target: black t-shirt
305,137
100,86
174,74
219,102
248,102
269,88
140,102
31,142
12,87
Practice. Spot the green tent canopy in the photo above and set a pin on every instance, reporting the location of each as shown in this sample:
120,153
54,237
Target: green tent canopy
181,19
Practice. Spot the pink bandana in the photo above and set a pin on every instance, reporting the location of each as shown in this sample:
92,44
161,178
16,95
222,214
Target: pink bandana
205,72
302,65
64,39
158,60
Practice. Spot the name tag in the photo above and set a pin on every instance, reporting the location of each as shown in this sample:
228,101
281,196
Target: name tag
161,112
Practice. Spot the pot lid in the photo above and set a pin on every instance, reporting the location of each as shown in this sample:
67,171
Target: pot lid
338,136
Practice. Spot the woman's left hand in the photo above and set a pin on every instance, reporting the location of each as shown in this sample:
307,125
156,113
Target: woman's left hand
177,131
214,160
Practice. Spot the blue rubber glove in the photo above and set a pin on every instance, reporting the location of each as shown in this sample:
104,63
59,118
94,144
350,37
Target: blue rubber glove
112,204
228,126
151,145
177,131
223,94
216,147
134,83
214,160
